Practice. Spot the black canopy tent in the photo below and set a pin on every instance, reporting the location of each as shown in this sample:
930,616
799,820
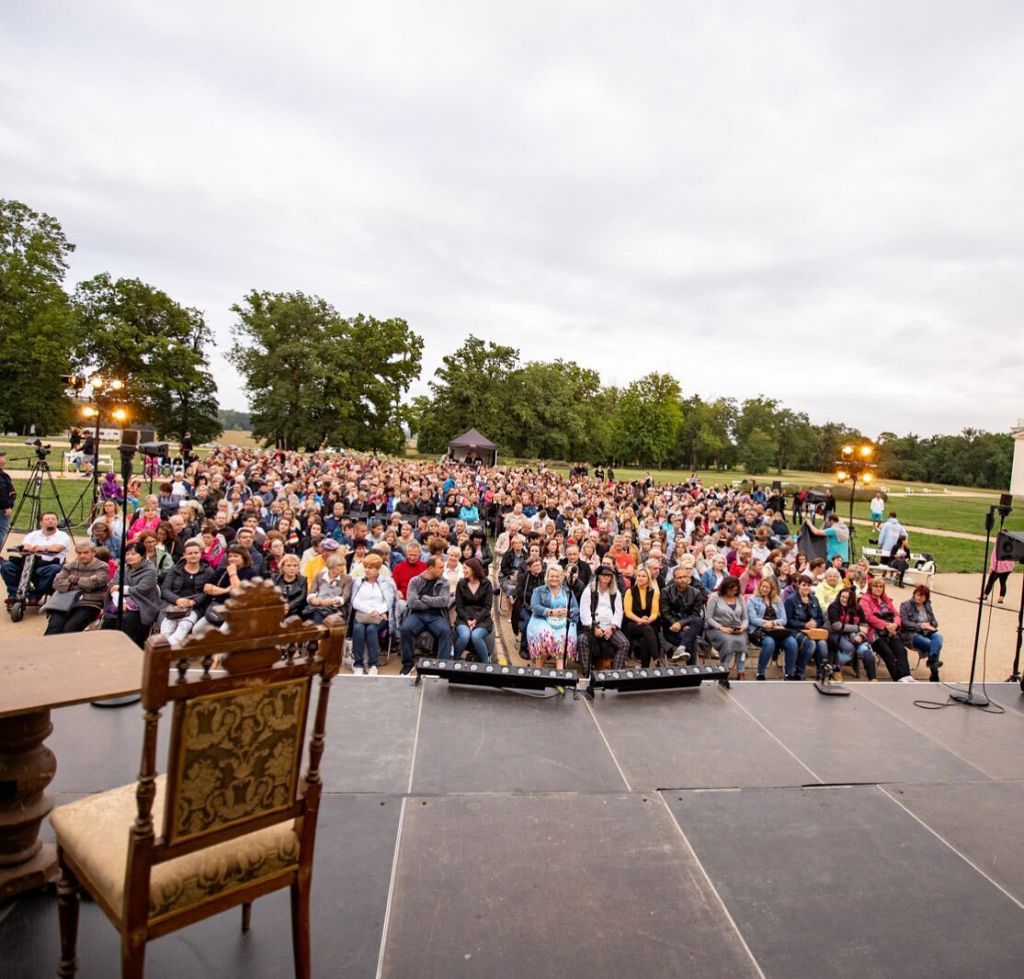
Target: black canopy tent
473,441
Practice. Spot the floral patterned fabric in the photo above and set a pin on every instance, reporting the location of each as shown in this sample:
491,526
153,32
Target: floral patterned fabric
239,758
95,832
545,638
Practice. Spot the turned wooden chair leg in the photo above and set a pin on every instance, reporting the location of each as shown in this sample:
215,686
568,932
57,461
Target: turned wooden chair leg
133,957
246,917
300,926
67,912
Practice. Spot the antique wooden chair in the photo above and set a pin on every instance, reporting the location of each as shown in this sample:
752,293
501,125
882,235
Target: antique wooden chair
231,820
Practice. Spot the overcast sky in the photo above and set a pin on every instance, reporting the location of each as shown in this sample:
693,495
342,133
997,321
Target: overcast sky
820,202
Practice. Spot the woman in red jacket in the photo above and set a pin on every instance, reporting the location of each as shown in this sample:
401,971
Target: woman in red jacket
883,622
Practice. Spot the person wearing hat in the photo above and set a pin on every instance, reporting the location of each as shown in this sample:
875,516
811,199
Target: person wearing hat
330,591
601,621
7,495
316,564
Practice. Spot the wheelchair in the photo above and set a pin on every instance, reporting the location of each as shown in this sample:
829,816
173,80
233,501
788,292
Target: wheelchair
20,600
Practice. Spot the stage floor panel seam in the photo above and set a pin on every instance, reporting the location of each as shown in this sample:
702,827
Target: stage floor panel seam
711,886
924,734
963,856
782,744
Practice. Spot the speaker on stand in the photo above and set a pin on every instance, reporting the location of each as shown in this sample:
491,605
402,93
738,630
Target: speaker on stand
1010,547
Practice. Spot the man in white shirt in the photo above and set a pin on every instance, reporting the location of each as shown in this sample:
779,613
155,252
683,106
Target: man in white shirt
50,546
601,622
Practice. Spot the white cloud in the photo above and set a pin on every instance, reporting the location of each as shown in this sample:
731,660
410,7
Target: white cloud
817,202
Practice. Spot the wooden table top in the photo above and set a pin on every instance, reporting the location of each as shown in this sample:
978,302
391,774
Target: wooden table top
40,672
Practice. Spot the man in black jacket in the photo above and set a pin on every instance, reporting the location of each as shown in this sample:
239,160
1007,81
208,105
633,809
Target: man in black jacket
184,587
577,572
7,495
532,577
682,613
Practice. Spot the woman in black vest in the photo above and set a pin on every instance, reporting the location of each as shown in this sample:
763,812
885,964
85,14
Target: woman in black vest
640,616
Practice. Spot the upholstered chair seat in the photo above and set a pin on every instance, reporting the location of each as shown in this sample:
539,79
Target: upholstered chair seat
94,832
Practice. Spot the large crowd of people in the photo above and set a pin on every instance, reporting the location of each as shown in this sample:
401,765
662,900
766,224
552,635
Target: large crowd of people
425,554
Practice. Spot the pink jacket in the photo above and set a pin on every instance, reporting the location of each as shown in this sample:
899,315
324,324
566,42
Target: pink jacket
871,606
143,525
1000,567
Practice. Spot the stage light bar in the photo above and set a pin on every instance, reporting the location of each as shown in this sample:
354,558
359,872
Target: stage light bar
495,675
656,678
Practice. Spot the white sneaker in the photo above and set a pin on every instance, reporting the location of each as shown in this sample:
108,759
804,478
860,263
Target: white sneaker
906,679
357,671
680,654
372,671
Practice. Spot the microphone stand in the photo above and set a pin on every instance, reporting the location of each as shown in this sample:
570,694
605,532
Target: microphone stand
968,696
570,578
127,452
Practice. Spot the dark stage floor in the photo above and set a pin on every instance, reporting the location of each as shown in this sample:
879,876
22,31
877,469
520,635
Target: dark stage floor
762,831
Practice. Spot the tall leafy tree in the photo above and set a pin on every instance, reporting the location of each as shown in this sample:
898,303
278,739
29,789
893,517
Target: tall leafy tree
758,451
476,386
315,377
648,419
556,410
37,330
160,348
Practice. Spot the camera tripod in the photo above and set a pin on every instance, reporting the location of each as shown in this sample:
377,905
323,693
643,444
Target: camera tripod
32,496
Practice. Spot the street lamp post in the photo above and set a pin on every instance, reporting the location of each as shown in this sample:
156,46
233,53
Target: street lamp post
856,465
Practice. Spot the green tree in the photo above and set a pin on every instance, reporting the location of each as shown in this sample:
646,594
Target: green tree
237,420
476,386
37,330
758,452
704,440
794,436
555,407
648,419
317,378
136,332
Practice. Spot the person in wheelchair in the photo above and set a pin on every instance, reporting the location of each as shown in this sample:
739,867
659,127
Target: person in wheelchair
50,546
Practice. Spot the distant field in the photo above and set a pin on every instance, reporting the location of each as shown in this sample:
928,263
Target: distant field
964,514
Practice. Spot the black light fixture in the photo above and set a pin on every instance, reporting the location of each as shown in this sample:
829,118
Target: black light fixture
656,678
496,675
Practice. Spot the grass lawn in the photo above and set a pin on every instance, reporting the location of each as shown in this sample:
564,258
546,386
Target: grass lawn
964,514
949,553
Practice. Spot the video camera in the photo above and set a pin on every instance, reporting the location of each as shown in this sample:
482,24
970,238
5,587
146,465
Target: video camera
41,450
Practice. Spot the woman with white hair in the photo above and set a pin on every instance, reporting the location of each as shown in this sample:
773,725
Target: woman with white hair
551,633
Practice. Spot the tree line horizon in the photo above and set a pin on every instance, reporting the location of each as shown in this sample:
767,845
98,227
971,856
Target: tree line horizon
318,378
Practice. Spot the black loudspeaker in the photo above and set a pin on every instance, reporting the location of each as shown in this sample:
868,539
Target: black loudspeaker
1009,547
135,436
157,449
776,484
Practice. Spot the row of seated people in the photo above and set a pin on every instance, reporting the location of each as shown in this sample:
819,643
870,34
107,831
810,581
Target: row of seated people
570,613
182,602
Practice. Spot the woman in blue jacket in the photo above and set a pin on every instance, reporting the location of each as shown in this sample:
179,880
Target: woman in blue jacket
551,633
766,616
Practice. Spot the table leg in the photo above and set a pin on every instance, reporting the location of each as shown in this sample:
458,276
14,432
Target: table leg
27,767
